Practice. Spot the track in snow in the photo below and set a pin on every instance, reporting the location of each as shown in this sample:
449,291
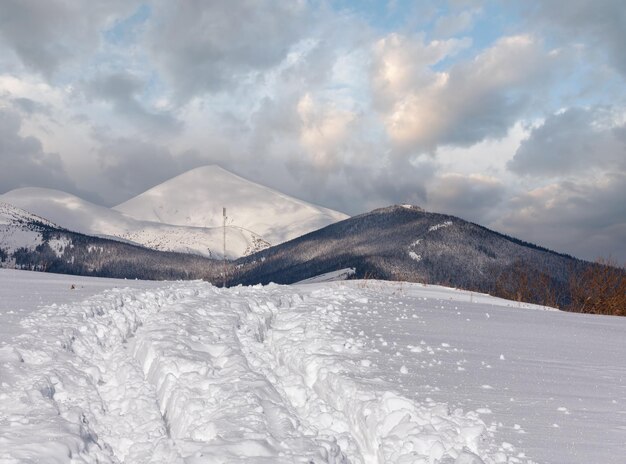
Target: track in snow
191,373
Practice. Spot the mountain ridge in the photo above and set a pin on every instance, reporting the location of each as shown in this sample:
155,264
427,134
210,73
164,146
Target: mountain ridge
410,244
398,243
73,213
30,242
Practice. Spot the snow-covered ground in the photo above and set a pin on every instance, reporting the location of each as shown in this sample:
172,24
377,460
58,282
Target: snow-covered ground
552,384
356,371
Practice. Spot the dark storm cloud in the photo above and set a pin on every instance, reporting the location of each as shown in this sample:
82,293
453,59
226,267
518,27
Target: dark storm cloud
471,197
600,25
45,34
574,141
23,162
586,219
357,188
361,187
206,46
122,91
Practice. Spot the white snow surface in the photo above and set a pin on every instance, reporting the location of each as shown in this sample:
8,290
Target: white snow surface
196,198
356,371
439,226
333,276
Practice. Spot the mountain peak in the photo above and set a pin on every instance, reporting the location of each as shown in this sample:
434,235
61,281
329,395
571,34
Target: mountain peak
397,208
206,171
196,198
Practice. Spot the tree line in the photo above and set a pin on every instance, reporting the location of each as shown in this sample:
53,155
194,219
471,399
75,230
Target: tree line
593,288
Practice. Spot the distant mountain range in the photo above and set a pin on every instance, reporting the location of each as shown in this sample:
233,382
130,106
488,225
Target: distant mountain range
28,241
184,214
54,231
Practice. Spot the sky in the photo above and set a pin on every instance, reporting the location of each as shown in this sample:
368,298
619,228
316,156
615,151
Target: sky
511,114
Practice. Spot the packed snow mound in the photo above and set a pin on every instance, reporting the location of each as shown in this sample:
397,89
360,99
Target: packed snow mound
196,198
192,373
78,215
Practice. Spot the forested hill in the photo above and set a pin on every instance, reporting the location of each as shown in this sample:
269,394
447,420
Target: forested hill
30,242
407,243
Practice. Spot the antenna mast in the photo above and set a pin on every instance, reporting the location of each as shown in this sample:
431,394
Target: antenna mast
224,255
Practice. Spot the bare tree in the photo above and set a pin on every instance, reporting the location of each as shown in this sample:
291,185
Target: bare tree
599,289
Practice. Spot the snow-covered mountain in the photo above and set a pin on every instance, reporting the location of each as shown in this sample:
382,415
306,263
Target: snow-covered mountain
69,211
196,199
10,215
184,214
19,228
28,241
76,214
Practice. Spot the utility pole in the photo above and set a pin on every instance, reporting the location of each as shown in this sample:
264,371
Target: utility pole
224,255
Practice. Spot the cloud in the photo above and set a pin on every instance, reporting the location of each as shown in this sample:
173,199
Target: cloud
396,182
584,218
23,162
323,131
122,90
456,23
121,159
210,46
352,106
400,64
30,107
473,100
45,35
473,197
598,25
573,141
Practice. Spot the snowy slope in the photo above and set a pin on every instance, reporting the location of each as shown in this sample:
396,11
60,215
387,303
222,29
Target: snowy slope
19,228
76,214
196,198
11,215
548,383
363,372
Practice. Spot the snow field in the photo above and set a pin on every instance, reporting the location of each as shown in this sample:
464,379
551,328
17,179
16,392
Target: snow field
191,373
548,384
